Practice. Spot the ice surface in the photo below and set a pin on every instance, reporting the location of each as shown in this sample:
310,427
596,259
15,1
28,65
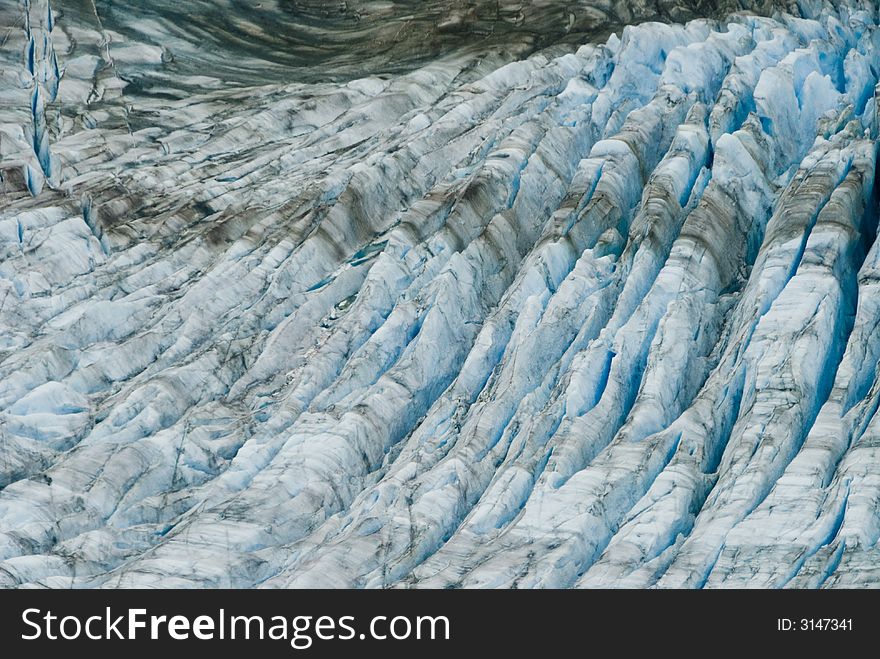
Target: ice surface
600,316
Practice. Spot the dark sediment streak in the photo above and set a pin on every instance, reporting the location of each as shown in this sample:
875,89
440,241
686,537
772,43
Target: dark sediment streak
325,41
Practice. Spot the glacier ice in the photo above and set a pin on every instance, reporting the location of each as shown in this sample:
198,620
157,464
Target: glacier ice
601,315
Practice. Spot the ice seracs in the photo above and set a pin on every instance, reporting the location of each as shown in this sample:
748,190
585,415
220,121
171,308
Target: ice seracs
595,318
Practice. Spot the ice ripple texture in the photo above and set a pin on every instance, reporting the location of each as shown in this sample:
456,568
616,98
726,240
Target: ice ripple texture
599,319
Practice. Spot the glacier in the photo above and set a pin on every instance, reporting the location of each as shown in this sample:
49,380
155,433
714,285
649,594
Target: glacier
589,302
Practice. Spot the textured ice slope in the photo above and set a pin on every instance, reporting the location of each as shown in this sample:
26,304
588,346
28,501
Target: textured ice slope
603,318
